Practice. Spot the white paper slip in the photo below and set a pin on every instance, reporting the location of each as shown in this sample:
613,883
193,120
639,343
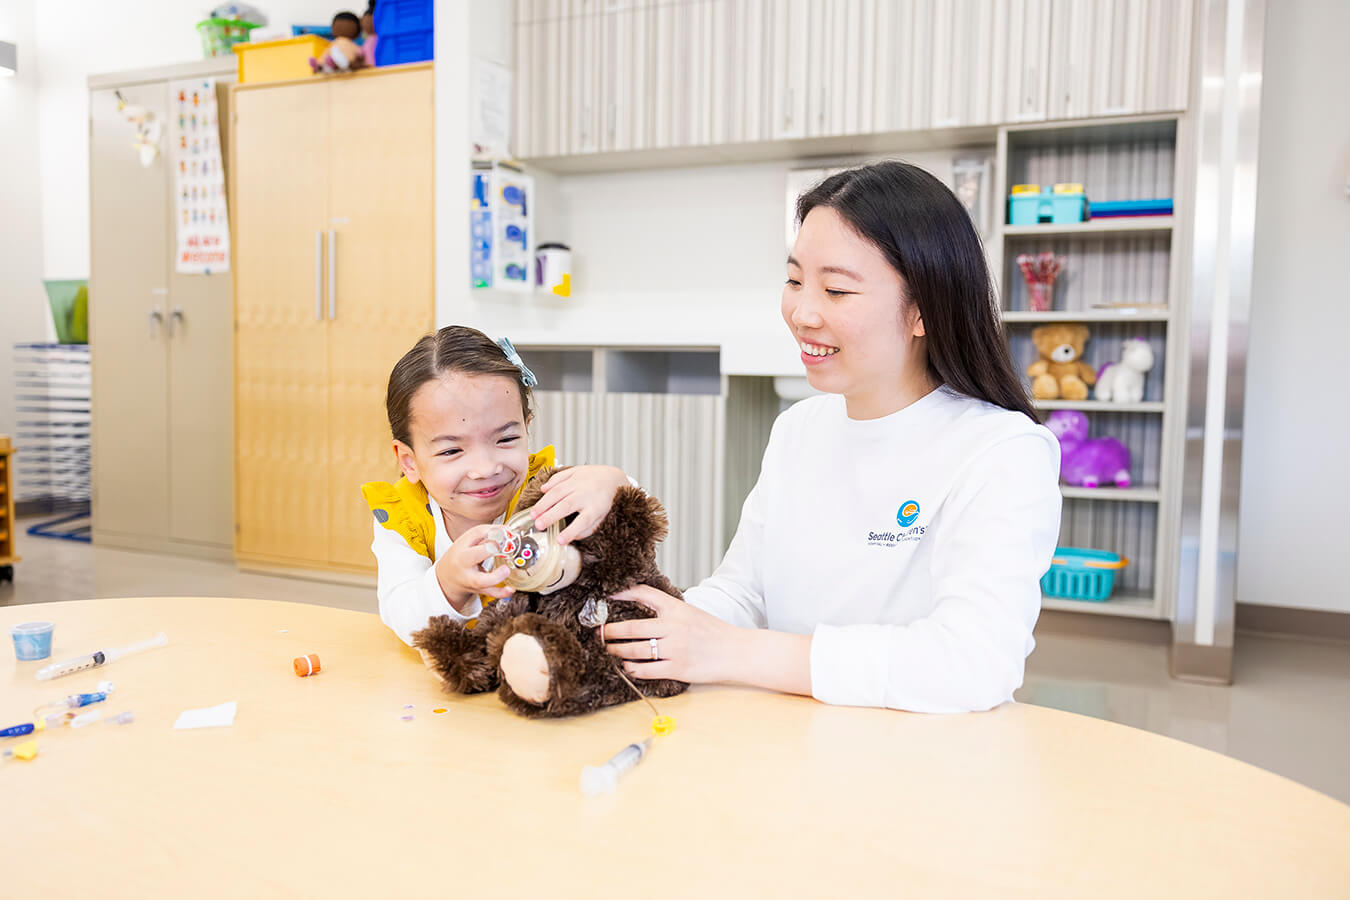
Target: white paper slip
210,717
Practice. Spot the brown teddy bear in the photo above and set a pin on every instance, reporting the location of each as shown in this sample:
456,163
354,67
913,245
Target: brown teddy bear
540,650
1060,372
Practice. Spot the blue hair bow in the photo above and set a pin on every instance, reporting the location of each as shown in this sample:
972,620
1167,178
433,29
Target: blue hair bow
526,376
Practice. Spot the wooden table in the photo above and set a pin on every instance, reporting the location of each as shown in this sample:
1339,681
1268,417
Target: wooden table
320,789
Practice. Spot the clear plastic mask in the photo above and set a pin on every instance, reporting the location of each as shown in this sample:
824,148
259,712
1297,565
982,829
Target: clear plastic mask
533,558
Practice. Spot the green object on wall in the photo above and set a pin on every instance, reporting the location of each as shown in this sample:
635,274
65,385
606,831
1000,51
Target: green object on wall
69,301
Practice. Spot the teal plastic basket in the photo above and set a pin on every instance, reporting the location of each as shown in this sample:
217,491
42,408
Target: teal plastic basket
1077,573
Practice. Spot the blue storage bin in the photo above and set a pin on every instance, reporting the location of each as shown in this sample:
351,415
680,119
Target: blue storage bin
1077,573
1161,206
392,49
1036,209
403,17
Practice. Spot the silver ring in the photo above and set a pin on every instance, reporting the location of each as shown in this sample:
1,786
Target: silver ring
652,643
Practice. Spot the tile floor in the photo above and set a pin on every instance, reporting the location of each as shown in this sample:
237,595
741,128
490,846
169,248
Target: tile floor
1288,710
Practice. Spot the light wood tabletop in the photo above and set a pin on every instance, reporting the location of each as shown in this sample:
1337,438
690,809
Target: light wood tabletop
322,789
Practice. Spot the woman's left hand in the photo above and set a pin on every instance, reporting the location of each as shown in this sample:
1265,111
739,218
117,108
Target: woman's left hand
691,645
587,491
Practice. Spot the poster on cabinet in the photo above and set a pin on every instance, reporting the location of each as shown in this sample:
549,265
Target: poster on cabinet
201,220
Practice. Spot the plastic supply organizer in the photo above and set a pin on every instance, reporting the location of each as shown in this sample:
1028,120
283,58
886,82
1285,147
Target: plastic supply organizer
220,35
406,31
1081,574
284,60
1028,204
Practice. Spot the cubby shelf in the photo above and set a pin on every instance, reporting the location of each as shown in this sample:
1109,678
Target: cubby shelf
1095,227
1087,406
1125,314
1127,604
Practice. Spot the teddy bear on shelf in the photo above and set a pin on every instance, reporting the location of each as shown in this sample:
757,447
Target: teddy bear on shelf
1123,381
540,649
343,53
1060,372
1088,462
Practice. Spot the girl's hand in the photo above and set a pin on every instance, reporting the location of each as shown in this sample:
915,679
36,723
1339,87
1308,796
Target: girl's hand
460,571
587,491
691,645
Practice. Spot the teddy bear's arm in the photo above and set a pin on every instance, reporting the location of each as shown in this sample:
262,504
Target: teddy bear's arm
1087,373
458,655
1039,367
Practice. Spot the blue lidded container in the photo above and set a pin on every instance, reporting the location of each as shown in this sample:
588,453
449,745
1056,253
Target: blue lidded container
32,640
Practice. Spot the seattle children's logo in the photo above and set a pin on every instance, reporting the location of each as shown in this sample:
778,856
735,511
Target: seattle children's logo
909,511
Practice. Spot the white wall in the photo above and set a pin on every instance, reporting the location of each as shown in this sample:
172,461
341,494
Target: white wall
23,303
79,38
44,156
1295,475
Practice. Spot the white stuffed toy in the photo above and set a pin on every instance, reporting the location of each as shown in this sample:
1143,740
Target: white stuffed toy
1123,382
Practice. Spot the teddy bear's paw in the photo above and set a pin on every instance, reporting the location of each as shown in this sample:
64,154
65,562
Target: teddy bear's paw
1045,387
1073,388
525,668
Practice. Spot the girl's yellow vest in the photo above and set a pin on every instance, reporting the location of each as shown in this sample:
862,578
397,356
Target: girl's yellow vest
404,507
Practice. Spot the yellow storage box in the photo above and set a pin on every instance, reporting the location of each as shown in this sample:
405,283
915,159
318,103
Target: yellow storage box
286,60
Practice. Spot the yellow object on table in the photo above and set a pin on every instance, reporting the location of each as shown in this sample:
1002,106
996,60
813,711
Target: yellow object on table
285,60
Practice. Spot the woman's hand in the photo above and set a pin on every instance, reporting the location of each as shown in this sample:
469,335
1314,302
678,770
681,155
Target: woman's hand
587,491
460,570
691,645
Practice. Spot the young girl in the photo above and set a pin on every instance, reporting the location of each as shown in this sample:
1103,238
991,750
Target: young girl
891,551
459,409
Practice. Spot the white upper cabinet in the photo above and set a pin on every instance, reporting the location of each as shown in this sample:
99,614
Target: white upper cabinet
597,76
1119,57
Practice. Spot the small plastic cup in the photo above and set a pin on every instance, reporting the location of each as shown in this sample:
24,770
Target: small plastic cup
32,640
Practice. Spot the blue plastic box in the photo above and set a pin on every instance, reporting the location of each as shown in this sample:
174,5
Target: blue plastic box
403,17
1040,208
393,49
1081,574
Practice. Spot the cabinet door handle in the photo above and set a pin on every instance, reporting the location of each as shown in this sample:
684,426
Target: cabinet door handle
156,319
318,276
177,314
332,274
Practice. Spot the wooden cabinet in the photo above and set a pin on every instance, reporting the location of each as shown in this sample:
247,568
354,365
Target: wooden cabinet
161,342
334,271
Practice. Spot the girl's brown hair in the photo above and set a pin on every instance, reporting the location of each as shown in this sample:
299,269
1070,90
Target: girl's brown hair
454,348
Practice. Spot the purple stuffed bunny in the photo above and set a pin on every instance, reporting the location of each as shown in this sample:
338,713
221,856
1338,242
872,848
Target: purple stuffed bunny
1085,462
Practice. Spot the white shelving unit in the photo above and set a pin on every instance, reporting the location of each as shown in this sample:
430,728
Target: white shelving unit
1118,279
716,93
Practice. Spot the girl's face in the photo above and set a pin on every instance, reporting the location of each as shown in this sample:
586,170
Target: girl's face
469,446
843,304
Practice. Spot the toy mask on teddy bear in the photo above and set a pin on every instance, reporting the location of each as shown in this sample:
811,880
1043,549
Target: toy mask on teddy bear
534,559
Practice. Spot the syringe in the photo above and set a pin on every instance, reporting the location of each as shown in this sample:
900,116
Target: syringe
59,712
97,658
604,779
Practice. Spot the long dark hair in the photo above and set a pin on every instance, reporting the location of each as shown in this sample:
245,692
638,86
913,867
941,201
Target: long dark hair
927,237
455,348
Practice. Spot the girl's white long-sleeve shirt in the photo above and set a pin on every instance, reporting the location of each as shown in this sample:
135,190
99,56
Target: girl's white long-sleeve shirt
408,590
909,547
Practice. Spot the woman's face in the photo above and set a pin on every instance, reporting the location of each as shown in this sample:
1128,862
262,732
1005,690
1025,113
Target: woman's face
843,304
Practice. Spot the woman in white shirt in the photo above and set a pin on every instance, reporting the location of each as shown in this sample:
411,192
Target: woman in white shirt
891,551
